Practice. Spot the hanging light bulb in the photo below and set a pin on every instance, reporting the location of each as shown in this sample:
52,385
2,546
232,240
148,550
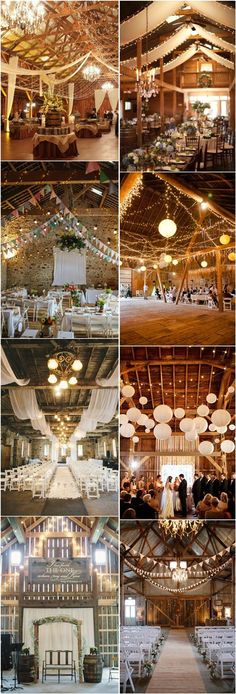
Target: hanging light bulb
204,263
72,381
77,365
224,239
232,256
52,364
52,379
143,268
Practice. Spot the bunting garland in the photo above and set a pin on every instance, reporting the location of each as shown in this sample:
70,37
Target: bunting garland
209,575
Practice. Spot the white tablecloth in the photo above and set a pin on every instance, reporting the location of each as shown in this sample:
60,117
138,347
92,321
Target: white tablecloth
92,295
200,298
12,319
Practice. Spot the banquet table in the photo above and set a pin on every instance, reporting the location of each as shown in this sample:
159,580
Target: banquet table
50,305
200,298
11,317
87,319
54,146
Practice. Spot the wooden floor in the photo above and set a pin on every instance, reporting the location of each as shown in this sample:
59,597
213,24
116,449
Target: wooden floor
104,148
155,323
177,669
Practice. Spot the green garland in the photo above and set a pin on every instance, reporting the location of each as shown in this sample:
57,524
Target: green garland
70,242
204,80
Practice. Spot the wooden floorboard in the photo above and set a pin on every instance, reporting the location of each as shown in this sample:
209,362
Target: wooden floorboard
155,323
177,669
104,148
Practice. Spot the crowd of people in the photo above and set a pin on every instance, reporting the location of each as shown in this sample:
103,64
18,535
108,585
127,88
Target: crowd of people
209,497
170,292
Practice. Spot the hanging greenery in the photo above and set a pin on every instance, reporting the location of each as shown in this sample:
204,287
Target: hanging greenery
70,242
204,80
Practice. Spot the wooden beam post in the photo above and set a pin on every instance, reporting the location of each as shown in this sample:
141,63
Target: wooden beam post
162,97
174,102
219,279
139,97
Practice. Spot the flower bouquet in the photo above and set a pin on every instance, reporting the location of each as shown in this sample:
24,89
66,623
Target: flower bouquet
101,300
188,128
47,325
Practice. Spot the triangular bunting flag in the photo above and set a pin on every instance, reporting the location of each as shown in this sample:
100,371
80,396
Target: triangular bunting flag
92,166
33,201
103,177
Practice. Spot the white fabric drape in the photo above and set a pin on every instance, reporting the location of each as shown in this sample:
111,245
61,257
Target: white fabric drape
25,406
71,89
113,96
99,96
182,58
218,58
7,374
159,10
6,67
111,382
103,404
214,38
69,267
58,636
11,83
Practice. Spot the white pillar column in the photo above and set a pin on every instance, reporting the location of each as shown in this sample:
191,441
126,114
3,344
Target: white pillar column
11,83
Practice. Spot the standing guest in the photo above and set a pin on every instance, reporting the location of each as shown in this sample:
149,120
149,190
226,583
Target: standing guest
141,483
196,489
216,486
209,485
203,485
183,495
124,480
231,485
223,483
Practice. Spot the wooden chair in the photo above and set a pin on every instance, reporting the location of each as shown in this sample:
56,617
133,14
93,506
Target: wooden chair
227,304
60,663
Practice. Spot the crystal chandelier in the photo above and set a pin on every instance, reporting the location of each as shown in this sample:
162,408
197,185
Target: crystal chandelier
63,367
147,88
179,571
25,15
91,72
180,527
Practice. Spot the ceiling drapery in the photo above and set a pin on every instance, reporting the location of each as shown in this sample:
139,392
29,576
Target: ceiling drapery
160,10
25,406
7,373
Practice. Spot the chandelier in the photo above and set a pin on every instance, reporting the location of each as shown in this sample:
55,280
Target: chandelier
91,72
25,15
179,571
180,527
63,367
147,86
107,86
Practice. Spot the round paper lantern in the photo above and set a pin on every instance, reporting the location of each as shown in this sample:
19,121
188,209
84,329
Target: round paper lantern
232,427
206,447
151,423
200,424
128,391
221,418
143,268
135,439
133,414
175,262
232,256
212,427
179,412
162,413
147,431
167,228
168,258
127,430
204,263
142,420
221,430
224,239
143,400
203,410
186,424
227,446
191,435
123,419
162,431
154,267
211,397
231,389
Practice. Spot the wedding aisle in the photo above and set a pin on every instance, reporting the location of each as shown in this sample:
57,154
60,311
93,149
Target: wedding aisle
63,485
177,669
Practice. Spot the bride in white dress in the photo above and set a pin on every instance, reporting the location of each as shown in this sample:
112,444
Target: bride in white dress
167,509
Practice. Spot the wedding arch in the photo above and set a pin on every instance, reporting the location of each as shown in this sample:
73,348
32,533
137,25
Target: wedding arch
51,620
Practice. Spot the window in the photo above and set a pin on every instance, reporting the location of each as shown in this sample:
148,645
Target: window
46,449
114,448
100,557
227,612
206,67
128,106
104,448
22,448
130,608
80,450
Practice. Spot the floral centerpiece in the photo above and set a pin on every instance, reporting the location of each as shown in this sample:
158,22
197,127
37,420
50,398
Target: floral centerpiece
148,668
188,128
101,300
75,293
47,325
70,242
200,107
51,102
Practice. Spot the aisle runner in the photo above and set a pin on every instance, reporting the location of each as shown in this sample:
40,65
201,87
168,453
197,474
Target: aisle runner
177,669
63,485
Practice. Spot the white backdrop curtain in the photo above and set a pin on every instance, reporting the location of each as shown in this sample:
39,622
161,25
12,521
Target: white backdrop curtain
7,374
69,267
99,96
58,636
159,10
113,96
71,89
11,83
25,406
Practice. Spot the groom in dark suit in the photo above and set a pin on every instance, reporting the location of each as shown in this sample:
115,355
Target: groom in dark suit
183,494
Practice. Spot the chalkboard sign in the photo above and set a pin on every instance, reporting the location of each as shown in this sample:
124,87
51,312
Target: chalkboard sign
59,570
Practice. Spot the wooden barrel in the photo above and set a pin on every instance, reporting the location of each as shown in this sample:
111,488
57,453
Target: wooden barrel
92,668
53,119
26,668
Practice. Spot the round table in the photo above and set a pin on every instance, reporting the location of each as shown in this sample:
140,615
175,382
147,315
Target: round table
54,146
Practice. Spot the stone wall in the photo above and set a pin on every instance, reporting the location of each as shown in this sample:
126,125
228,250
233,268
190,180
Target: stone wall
20,447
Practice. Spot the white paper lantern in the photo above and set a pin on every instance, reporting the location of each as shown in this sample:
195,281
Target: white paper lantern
133,414
151,423
203,410
206,447
163,413
212,427
123,419
232,427
191,435
143,400
127,430
221,430
162,431
147,431
227,446
167,228
143,420
200,424
135,439
186,424
231,389
211,397
128,391
221,418
179,413
168,258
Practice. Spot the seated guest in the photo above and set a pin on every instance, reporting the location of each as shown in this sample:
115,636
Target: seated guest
223,503
230,513
126,487
214,511
125,502
145,510
137,500
153,502
129,513
94,113
204,505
